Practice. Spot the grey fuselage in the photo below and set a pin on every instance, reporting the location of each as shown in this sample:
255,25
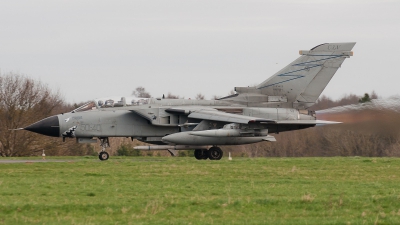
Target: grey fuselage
159,118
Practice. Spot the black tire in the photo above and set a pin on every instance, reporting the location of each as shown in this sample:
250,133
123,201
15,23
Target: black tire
205,154
215,153
200,154
103,156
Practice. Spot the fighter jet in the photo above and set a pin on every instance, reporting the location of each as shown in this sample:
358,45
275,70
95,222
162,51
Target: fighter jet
251,115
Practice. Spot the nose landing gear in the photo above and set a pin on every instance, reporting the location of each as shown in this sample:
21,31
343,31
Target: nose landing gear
104,143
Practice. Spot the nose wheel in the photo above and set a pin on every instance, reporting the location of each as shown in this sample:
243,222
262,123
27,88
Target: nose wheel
103,156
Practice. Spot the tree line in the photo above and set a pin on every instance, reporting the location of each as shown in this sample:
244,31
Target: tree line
24,101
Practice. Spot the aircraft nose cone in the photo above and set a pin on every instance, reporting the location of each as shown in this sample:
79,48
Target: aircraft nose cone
49,126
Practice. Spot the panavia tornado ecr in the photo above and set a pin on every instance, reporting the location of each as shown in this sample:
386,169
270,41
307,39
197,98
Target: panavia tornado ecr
250,115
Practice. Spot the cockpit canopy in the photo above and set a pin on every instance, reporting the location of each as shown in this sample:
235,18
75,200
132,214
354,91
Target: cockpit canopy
112,102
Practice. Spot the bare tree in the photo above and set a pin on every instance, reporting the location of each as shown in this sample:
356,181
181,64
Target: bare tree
325,102
199,96
374,95
22,102
171,96
216,97
141,92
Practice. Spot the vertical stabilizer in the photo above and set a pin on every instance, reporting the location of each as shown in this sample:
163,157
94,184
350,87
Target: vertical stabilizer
302,81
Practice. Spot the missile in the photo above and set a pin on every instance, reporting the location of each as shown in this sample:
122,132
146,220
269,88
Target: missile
169,147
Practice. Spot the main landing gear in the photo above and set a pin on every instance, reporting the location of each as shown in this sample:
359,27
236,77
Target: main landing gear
214,153
104,143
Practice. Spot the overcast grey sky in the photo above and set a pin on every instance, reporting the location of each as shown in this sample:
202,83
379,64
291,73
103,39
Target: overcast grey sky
91,49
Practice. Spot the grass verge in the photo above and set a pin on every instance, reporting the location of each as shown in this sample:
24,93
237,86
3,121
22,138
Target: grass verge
157,190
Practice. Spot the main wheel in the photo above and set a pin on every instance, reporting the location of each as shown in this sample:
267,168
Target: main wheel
103,156
215,153
200,154
205,154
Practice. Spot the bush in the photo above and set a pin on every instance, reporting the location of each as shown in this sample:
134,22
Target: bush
127,150
186,153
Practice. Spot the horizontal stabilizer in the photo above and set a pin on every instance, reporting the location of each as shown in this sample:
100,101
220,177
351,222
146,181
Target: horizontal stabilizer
300,122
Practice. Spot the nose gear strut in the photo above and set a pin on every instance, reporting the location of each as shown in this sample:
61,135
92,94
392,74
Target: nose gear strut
104,143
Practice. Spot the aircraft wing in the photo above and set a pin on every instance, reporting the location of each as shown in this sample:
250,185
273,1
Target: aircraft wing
227,117
215,115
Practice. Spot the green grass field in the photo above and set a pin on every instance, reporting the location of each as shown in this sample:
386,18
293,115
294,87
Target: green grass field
158,190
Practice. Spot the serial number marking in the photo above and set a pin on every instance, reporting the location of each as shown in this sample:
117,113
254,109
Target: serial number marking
333,47
90,127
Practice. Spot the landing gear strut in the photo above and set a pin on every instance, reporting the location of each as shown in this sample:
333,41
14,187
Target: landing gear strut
104,143
214,153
